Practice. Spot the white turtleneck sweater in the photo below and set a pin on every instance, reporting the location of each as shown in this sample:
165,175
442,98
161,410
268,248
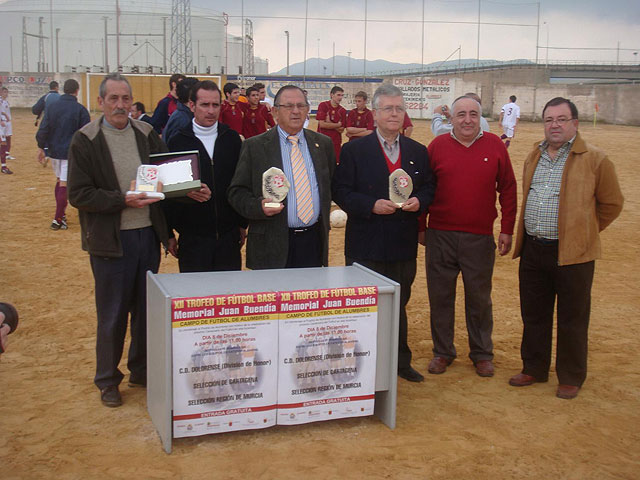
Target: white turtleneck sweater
207,135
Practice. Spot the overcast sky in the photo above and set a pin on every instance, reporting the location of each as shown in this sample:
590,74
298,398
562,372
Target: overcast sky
579,24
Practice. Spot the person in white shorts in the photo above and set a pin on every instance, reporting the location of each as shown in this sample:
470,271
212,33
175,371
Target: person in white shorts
61,121
509,116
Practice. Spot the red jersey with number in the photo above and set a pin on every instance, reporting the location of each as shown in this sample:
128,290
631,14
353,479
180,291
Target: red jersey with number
329,113
256,120
358,119
233,115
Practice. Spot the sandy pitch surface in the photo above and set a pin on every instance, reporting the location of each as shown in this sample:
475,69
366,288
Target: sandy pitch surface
455,425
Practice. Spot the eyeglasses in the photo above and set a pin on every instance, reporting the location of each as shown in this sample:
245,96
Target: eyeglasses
291,106
389,109
561,122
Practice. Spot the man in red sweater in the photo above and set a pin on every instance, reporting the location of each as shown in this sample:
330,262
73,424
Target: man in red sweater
470,167
257,117
332,119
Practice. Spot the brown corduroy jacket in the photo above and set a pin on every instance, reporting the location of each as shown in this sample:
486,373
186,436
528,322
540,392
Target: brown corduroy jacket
590,199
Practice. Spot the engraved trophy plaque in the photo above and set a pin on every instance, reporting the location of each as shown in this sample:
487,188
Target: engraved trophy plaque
275,187
147,181
400,187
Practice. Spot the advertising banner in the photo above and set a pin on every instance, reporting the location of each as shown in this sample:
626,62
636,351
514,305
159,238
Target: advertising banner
225,350
327,354
249,361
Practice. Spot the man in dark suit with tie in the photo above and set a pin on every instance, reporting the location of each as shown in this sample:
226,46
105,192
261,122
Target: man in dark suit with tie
295,233
380,234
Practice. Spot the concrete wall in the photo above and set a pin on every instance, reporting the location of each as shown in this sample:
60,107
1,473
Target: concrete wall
26,88
616,103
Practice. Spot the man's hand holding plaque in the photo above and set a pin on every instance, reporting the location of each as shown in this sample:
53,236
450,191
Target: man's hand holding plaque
275,188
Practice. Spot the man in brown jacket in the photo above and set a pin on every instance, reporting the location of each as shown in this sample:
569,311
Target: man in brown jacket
570,194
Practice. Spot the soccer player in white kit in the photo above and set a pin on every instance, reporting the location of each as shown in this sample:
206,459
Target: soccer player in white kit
509,116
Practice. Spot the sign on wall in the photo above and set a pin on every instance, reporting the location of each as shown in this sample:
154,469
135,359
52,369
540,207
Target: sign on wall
423,94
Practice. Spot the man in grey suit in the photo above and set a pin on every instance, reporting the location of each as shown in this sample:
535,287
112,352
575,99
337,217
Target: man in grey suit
296,233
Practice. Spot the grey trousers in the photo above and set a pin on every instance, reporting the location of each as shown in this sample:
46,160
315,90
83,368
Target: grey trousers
448,254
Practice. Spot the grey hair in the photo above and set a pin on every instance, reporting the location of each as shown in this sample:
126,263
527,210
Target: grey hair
386,90
116,77
453,105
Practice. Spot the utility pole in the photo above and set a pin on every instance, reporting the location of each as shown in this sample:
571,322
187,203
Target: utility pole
25,47
286,32
57,50
41,62
106,46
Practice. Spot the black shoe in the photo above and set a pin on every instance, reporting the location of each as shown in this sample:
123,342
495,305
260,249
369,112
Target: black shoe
408,373
110,396
136,381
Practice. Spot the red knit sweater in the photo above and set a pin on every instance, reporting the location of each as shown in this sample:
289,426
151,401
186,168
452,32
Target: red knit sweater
467,181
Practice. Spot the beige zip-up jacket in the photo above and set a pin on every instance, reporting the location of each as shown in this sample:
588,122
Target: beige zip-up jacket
590,199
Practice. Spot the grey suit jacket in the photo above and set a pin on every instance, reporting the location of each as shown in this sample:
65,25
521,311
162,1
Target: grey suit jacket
268,237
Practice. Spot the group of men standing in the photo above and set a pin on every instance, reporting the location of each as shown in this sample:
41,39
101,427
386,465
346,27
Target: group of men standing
571,193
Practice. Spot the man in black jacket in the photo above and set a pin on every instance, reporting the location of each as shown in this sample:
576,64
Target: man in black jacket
211,232
121,231
380,234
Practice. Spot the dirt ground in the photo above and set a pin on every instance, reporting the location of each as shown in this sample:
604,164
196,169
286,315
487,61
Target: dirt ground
455,425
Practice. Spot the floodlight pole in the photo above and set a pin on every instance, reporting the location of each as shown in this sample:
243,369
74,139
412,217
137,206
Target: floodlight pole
478,52
51,29
106,46
286,32
304,67
364,66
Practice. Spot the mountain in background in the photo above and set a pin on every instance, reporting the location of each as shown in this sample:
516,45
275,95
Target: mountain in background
355,66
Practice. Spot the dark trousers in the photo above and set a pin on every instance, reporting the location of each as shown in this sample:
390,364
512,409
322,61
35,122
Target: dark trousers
448,254
305,247
541,282
121,291
198,253
404,273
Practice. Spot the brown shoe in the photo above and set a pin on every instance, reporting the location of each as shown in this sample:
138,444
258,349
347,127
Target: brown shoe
438,365
484,368
522,380
567,391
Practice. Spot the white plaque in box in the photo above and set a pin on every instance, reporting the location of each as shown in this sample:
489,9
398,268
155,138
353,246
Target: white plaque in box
179,172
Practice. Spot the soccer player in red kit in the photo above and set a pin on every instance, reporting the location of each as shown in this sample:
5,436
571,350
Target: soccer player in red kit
407,126
232,111
360,119
256,117
332,119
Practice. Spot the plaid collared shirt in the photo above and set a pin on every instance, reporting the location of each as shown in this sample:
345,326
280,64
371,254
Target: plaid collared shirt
541,212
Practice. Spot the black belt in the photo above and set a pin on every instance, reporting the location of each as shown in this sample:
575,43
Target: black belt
298,231
542,241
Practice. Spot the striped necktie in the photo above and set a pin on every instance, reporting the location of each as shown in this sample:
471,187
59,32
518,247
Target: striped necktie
301,185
